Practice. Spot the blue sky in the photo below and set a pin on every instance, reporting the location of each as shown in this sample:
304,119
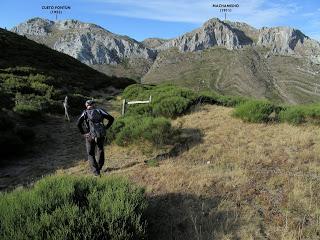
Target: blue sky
140,19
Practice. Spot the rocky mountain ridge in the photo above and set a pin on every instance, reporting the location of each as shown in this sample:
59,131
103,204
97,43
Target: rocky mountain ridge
89,43
92,44
229,57
235,35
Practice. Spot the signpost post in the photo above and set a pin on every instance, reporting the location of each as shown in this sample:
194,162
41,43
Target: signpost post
66,106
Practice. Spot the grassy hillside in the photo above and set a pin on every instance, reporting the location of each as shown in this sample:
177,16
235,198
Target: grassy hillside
236,180
246,72
222,178
18,51
34,80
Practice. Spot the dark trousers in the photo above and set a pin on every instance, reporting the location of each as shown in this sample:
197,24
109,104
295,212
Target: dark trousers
91,145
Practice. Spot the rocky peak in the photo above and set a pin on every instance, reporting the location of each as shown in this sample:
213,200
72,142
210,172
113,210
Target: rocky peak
233,35
34,27
213,33
89,43
74,24
289,41
92,44
281,40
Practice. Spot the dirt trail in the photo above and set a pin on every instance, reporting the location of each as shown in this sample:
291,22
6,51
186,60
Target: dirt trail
58,145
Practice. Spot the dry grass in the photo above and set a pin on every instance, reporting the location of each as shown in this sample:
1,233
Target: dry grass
247,181
241,181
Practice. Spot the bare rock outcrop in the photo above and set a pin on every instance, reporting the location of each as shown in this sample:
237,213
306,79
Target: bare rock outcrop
89,43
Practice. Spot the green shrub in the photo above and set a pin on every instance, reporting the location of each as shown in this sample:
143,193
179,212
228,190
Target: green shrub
171,101
292,115
301,114
170,90
231,101
136,90
254,111
167,100
215,98
139,109
29,111
32,84
41,88
30,105
133,129
312,112
16,84
162,91
171,106
37,78
20,70
66,207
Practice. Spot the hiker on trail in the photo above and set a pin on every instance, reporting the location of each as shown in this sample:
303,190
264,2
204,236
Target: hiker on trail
92,128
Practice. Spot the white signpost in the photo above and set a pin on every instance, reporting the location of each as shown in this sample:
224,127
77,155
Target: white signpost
124,103
66,106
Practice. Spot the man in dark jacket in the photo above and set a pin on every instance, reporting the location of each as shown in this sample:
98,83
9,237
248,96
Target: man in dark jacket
92,128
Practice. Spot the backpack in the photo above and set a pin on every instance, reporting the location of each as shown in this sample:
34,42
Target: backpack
95,124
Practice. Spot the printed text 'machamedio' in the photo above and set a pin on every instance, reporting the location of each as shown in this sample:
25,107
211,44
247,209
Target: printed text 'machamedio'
226,5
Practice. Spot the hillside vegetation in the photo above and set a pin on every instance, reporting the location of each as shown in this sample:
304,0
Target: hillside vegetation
236,180
151,121
255,177
34,80
65,207
251,179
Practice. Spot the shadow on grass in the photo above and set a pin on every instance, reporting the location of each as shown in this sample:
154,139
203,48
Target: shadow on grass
58,145
185,216
129,165
186,139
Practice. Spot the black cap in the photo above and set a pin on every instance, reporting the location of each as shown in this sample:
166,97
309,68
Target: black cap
90,102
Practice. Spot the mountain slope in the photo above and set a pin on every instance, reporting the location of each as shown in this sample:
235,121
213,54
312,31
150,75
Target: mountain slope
235,35
34,80
213,33
216,68
279,63
153,42
89,43
18,51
